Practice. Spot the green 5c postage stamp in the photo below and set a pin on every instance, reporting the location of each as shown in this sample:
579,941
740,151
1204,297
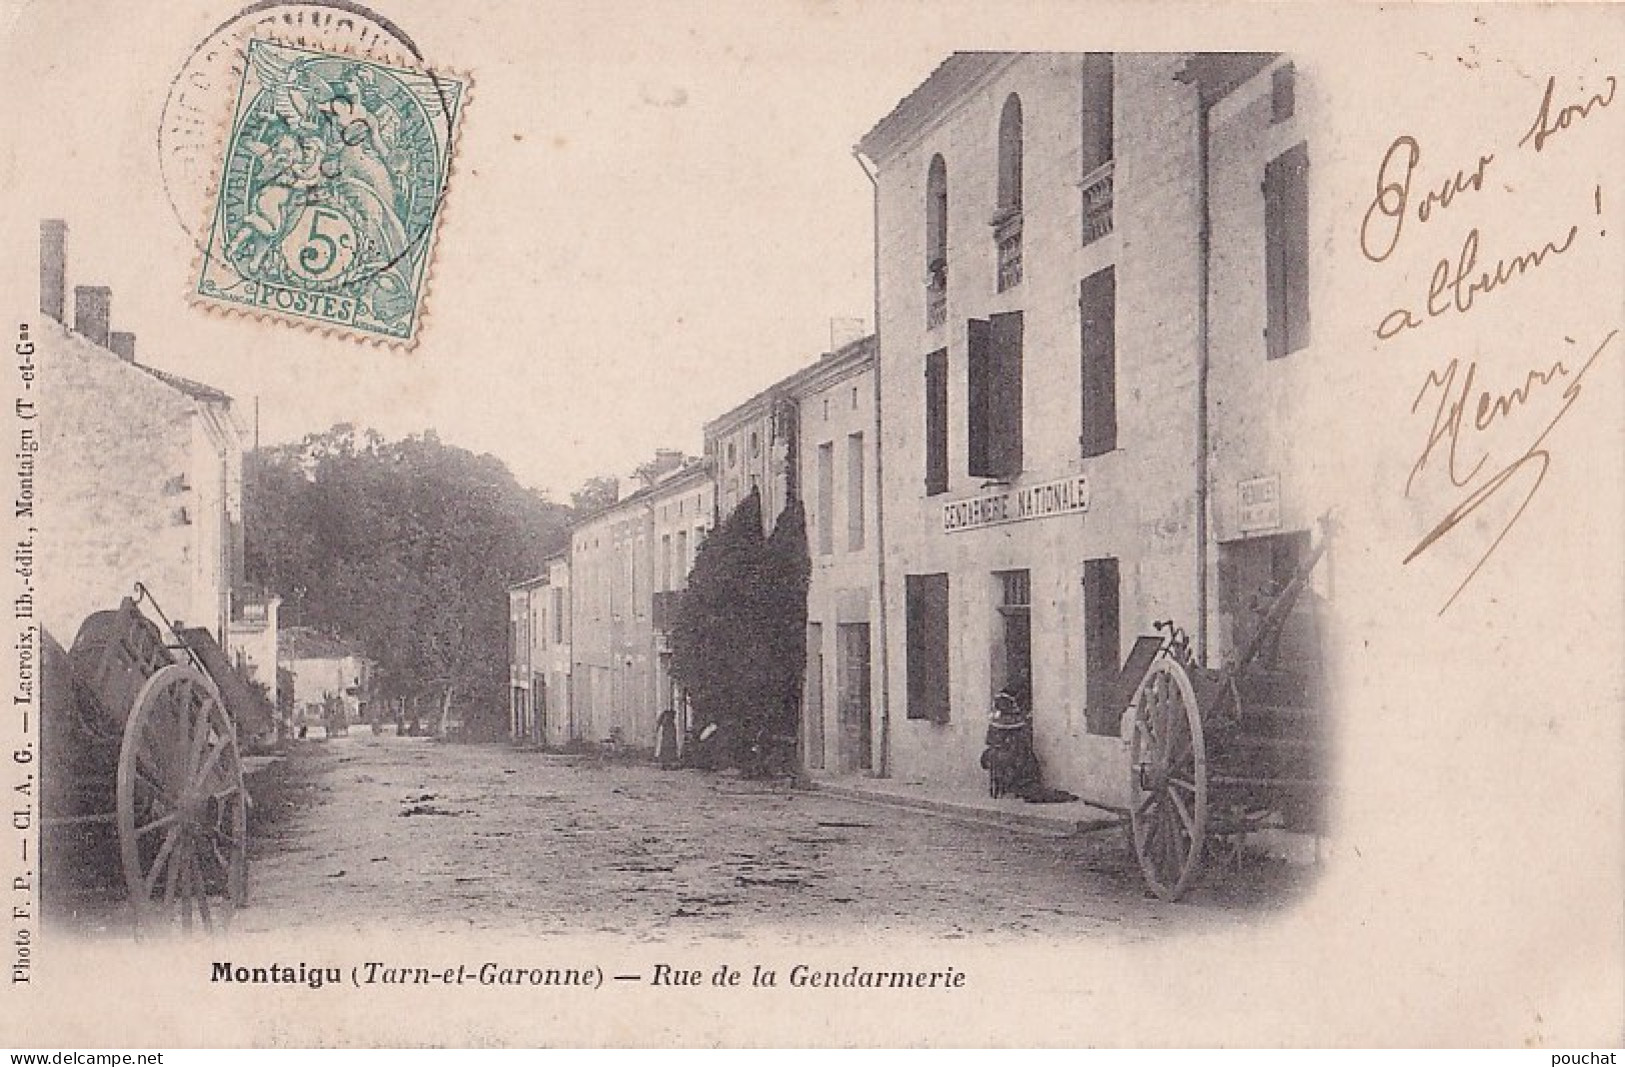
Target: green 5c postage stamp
331,191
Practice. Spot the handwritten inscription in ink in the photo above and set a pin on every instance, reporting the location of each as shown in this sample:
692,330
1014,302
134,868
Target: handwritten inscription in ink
1489,422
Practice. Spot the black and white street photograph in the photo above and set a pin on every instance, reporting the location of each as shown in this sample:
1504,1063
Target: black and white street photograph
793,524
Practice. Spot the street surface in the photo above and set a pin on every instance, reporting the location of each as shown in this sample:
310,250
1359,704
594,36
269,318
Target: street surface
371,829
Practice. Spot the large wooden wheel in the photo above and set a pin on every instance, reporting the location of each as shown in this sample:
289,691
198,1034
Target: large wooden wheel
1168,801
182,808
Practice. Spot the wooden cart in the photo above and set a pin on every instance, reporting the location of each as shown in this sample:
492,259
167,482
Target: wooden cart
1216,754
149,748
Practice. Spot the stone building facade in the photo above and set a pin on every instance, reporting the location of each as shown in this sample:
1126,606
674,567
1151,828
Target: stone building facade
144,471
621,557
752,446
550,656
1078,387
838,446
524,723
682,510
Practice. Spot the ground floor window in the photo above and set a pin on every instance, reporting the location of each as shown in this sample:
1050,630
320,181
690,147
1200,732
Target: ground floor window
1102,651
927,646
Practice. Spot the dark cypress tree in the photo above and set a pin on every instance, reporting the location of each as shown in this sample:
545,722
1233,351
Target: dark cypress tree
715,634
787,573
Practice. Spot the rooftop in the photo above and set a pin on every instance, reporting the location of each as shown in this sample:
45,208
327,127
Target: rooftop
953,76
303,642
850,354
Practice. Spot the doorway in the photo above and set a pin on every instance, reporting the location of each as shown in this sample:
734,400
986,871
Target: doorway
1252,574
1013,657
852,665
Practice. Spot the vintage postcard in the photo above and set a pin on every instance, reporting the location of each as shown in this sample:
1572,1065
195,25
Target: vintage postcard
845,523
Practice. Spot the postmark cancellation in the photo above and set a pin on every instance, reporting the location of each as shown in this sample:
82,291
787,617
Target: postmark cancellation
332,180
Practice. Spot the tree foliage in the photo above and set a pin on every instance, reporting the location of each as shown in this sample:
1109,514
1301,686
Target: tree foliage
739,636
596,493
787,577
406,547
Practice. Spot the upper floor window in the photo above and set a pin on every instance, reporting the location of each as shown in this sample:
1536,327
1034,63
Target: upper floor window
1007,219
936,243
826,498
1283,93
854,492
936,422
1010,155
1286,255
1097,313
994,396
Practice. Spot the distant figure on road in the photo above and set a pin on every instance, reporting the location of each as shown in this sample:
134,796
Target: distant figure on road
666,738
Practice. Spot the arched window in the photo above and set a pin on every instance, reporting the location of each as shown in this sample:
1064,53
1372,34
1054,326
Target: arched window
1007,219
1096,147
936,243
1010,156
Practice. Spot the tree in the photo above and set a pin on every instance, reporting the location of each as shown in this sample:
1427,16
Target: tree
787,575
596,494
407,548
739,636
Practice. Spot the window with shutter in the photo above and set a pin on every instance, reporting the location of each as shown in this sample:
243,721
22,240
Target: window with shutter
1005,395
854,492
1286,241
1283,93
826,498
936,422
1101,648
927,646
1097,312
978,383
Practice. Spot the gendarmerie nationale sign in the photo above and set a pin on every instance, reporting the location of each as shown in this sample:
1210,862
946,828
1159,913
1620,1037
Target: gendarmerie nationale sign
1064,496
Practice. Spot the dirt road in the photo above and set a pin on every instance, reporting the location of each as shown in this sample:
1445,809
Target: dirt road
446,837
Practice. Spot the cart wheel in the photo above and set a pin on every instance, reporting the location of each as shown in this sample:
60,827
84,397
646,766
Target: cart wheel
182,808
1168,780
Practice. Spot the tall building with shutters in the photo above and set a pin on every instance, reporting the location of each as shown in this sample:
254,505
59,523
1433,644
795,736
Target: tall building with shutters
838,443
1094,314
628,563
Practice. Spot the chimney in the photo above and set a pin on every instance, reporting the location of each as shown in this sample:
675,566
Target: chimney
53,268
92,311
123,344
666,460
843,332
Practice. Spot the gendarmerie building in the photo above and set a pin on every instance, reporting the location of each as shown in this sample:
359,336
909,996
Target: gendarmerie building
1094,314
